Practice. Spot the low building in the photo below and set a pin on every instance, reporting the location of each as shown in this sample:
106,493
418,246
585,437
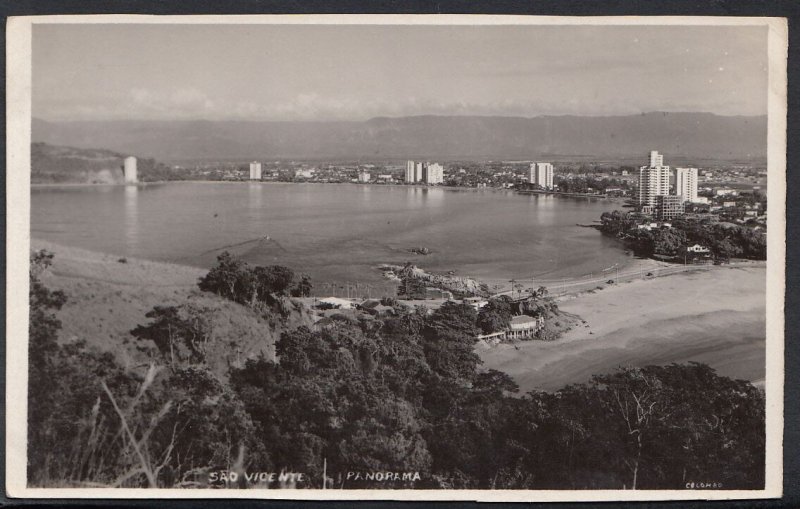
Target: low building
697,248
336,303
521,327
476,302
669,206
375,308
437,293
524,327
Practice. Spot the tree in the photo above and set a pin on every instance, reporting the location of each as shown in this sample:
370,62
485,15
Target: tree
234,280
43,349
494,316
43,326
303,287
180,333
274,279
725,249
225,279
449,339
667,241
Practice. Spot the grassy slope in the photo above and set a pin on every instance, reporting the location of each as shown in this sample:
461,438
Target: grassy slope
106,299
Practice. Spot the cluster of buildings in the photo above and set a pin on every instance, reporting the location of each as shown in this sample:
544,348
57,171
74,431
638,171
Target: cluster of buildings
427,173
541,174
655,194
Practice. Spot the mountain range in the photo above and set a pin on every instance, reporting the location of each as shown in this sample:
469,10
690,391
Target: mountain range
680,136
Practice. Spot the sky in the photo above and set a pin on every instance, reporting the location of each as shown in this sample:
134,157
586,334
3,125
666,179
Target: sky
356,72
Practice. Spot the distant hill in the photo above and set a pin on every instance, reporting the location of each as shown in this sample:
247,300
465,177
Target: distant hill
678,135
52,164
55,164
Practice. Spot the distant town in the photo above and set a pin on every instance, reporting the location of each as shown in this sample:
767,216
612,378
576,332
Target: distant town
735,193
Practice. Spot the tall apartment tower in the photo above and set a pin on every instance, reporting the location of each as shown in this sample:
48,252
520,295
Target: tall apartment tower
541,175
410,172
434,173
686,183
656,159
129,170
419,170
255,171
653,181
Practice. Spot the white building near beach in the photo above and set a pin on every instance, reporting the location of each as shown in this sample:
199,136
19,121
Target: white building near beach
653,181
686,184
541,174
255,170
129,169
434,173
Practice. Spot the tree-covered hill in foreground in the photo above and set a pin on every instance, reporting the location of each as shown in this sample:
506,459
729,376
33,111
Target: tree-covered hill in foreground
401,394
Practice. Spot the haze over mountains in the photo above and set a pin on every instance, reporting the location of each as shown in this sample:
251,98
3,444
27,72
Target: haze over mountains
680,136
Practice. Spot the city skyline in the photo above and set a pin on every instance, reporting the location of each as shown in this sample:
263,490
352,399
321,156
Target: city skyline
356,72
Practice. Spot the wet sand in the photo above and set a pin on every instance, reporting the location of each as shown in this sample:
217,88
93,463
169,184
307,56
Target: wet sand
716,317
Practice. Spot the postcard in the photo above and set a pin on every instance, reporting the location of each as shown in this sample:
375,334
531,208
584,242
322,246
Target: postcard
403,257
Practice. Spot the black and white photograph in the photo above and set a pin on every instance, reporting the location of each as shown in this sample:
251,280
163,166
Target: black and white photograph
396,257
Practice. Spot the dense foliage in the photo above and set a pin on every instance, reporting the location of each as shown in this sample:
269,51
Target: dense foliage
724,240
404,393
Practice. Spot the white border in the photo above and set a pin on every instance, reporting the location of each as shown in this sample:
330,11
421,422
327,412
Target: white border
18,124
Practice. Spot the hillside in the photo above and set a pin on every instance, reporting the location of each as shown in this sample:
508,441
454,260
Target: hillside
106,299
54,164
687,135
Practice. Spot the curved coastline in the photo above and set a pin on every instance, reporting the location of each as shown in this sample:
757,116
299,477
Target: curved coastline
708,319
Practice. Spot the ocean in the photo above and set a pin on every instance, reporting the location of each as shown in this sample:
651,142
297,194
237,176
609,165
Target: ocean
337,233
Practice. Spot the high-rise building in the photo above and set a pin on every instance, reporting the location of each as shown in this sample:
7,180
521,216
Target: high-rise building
434,173
410,172
541,175
668,207
419,169
653,181
686,183
656,159
255,170
129,170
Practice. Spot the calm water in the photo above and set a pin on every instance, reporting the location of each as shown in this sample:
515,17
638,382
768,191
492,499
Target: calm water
335,233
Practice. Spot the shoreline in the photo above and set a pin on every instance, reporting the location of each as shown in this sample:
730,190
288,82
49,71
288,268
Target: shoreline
707,318
270,182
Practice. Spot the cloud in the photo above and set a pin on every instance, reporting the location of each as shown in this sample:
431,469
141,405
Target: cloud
179,102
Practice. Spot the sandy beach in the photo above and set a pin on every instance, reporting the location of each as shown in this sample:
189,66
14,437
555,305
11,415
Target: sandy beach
714,316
